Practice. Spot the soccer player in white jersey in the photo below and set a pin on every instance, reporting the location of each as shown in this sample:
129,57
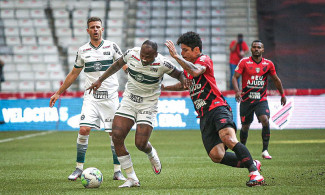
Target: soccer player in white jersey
94,57
139,104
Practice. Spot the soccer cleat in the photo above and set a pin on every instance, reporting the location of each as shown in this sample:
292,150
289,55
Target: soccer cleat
255,179
258,164
74,176
155,162
118,176
266,155
130,183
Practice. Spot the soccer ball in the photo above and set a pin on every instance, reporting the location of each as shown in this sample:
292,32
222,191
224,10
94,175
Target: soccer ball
91,177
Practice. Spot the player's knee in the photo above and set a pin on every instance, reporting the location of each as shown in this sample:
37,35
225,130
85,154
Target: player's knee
141,144
216,157
117,137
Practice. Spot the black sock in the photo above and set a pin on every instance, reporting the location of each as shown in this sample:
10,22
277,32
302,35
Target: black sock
244,156
243,137
231,159
266,137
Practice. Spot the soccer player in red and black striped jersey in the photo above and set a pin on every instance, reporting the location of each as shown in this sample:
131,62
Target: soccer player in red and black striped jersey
254,71
216,120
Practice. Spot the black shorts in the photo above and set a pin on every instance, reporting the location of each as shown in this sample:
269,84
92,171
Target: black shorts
216,119
247,111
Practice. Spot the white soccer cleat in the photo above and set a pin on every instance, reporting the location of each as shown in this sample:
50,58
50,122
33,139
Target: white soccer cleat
266,155
130,183
74,176
155,162
118,176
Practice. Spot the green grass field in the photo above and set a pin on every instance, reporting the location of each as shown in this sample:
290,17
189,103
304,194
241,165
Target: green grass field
41,164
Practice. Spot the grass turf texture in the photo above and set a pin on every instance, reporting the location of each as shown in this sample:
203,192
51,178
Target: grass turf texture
41,164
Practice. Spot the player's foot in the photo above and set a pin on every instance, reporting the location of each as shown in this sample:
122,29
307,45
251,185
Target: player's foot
258,164
155,162
255,179
266,155
74,176
130,183
118,176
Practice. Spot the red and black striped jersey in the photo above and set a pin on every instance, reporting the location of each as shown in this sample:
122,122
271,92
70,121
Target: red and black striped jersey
204,91
254,78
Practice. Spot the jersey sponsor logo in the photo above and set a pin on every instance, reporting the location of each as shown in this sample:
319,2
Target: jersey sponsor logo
109,120
106,53
86,49
249,62
202,58
194,86
254,95
255,82
136,98
154,69
145,112
133,56
168,65
265,63
100,94
117,50
98,66
199,103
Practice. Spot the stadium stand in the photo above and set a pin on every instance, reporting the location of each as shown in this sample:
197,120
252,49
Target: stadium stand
44,36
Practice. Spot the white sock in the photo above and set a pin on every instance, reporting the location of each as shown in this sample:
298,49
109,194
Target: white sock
117,168
127,165
80,166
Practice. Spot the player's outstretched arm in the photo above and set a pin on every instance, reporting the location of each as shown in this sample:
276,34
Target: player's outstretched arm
110,71
278,84
71,77
176,87
193,69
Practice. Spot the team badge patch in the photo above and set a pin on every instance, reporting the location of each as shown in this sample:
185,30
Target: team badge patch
139,77
257,70
98,66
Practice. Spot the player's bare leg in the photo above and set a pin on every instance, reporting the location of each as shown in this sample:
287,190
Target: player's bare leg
142,136
117,166
121,128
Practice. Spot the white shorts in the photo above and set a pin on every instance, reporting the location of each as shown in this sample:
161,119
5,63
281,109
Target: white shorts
95,112
140,110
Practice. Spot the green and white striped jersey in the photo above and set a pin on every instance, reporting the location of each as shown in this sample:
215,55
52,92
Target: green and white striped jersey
145,81
96,60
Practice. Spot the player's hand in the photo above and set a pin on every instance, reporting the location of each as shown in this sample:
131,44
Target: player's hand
187,83
94,86
162,87
238,96
171,47
53,99
283,101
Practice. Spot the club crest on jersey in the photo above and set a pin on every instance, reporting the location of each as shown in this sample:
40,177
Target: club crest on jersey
139,77
98,66
257,70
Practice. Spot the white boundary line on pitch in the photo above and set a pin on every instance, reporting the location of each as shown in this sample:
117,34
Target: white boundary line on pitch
26,136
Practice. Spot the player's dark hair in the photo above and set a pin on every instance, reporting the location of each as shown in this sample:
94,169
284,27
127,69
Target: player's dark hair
191,39
256,41
93,19
152,44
